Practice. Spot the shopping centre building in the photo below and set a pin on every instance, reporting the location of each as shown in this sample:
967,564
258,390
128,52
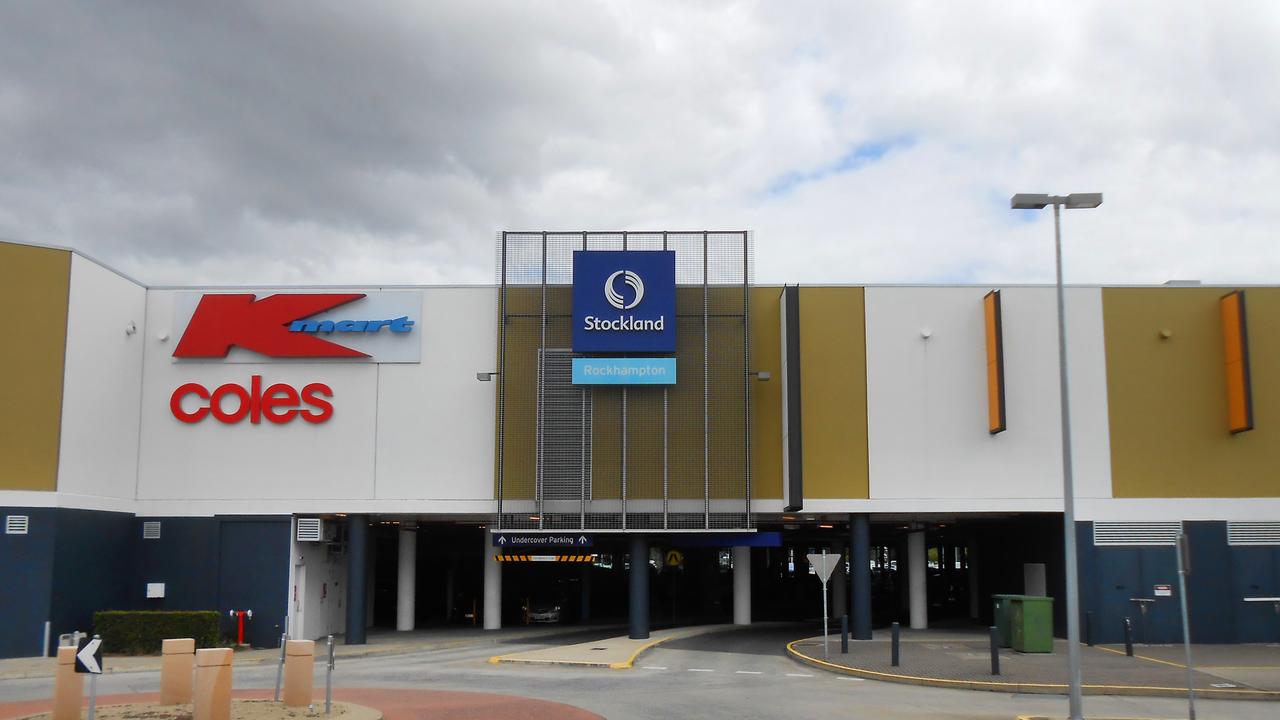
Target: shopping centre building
627,427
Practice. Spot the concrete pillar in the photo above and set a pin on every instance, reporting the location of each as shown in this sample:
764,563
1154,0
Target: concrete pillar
407,579
638,605
357,577
177,663
742,585
68,686
839,585
211,699
860,576
917,566
299,672
585,582
492,586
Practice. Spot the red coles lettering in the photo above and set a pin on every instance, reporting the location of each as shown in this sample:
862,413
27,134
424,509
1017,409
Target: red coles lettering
232,403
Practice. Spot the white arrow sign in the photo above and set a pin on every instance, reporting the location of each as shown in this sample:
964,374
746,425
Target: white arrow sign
823,564
502,539
86,656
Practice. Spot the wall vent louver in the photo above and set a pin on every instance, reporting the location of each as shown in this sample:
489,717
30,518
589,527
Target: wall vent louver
1136,533
151,530
310,530
1253,533
16,524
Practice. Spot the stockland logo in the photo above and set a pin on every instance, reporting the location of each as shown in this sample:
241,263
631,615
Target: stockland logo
633,281
624,301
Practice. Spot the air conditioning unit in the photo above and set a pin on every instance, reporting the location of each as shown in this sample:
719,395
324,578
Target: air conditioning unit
316,530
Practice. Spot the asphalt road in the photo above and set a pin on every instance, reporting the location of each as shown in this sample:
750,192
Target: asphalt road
731,675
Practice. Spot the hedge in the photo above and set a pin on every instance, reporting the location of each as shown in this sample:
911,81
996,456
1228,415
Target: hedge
140,632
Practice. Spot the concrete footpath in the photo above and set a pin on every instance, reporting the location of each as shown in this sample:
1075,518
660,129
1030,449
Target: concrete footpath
379,643
962,660
615,653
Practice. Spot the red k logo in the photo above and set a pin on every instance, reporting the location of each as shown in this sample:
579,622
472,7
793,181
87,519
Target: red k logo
223,321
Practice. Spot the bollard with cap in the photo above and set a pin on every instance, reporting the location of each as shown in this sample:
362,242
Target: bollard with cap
299,670
211,698
178,661
68,686
895,631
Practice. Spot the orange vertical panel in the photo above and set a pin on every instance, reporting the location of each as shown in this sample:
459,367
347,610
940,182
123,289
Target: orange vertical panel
995,363
1235,344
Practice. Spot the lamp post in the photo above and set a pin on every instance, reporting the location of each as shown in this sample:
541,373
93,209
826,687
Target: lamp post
1032,201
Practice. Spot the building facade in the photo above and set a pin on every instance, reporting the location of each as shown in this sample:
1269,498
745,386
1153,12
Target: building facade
338,459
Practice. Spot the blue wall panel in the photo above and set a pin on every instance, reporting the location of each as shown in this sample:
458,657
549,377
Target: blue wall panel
26,580
253,574
1256,573
184,558
1221,576
92,569
1210,605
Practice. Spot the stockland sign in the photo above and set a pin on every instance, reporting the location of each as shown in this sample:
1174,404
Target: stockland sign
624,301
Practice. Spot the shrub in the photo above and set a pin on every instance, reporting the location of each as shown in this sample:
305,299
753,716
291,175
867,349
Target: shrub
140,632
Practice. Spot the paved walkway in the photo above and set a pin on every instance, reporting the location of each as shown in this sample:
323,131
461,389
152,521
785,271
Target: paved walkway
393,704
615,653
379,643
962,659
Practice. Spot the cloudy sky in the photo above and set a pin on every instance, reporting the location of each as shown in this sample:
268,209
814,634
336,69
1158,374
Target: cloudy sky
353,142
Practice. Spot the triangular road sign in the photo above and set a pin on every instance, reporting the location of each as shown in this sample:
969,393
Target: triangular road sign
823,564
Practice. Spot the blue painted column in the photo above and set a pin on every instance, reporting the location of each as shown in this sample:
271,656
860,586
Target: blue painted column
638,605
860,575
357,575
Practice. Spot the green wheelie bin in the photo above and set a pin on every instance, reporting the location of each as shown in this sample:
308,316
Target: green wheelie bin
1031,619
1002,606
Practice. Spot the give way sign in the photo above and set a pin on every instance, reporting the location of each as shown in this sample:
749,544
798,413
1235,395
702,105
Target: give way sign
824,564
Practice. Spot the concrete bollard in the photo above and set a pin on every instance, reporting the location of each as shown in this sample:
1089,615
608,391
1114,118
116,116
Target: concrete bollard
299,672
177,666
68,687
212,696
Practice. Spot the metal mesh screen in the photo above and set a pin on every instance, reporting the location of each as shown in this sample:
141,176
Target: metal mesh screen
624,458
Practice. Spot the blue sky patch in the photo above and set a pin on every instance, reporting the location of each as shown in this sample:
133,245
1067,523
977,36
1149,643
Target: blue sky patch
858,157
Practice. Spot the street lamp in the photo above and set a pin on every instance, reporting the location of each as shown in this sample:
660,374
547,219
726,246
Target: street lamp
1033,201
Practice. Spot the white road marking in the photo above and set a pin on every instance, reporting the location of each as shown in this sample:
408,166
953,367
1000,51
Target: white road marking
798,675
749,672
701,670
652,667
853,679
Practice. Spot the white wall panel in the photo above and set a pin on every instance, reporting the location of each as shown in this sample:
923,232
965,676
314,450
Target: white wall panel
927,403
212,460
413,437
435,420
98,455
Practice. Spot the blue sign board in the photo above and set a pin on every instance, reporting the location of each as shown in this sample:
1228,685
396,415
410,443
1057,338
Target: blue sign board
624,301
624,371
540,540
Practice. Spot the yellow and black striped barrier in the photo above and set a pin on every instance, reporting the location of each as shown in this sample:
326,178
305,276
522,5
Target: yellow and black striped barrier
545,558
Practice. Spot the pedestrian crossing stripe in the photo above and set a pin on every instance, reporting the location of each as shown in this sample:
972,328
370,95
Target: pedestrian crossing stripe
545,558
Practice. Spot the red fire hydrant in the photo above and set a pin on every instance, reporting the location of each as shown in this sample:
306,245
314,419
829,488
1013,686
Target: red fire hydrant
241,614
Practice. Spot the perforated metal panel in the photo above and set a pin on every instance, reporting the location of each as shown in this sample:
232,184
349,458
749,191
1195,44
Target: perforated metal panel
1136,533
624,458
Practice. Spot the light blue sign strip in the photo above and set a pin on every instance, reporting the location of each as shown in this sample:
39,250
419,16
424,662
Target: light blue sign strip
624,371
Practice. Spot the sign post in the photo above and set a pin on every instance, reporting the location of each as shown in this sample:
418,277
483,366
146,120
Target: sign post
89,660
1184,569
823,564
